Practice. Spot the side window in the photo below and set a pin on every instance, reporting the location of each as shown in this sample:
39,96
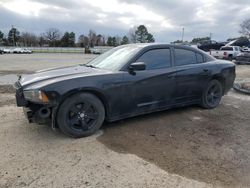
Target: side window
184,57
156,59
199,58
227,48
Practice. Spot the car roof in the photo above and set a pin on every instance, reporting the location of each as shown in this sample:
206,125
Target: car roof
142,45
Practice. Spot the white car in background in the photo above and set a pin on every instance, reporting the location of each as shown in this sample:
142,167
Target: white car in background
18,51
7,51
27,51
21,51
226,52
96,51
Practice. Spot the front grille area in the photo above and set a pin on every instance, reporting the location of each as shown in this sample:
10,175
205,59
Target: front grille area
17,85
20,100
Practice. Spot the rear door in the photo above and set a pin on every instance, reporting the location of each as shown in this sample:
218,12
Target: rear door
192,74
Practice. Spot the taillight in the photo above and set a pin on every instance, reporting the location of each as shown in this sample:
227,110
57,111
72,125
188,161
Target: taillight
225,53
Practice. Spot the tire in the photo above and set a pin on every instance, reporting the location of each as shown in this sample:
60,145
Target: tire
212,95
230,57
80,115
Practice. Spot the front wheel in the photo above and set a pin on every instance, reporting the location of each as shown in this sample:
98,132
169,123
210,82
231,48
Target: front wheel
80,115
212,94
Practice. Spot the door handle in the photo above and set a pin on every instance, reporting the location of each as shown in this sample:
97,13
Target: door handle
205,72
171,76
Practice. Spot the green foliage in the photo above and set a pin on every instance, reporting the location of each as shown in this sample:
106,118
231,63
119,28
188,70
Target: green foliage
1,37
124,40
68,39
177,41
115,42
150,38
13,36
142,35
240,41
200,40
112,41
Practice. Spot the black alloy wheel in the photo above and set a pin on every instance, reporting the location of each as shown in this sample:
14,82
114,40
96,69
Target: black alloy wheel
80,115
212,94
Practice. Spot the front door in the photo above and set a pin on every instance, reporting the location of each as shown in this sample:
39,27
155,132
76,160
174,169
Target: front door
154,87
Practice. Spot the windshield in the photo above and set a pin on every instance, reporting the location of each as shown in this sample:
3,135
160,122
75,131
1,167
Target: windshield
115,58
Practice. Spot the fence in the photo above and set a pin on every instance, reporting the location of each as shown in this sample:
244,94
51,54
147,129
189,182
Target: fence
100,49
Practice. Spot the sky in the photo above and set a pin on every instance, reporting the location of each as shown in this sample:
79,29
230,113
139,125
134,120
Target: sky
163,18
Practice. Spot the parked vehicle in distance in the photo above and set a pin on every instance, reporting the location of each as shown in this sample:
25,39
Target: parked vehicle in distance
1,52
21,51
7,51
125,81
210,45
17,50
245,49
27,51
226,52
243,58
96,51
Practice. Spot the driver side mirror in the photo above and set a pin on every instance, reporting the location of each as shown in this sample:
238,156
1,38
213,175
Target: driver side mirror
137,66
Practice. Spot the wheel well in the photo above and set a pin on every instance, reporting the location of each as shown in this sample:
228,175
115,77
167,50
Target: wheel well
93,92
221,80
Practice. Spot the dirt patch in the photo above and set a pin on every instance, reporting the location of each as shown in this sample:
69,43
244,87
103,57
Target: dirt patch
206,145
245,86
242,71
7,89
7,99
35,156
17,72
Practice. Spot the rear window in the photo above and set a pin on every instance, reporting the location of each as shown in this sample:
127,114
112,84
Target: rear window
184,57
227,48
199,58
236,48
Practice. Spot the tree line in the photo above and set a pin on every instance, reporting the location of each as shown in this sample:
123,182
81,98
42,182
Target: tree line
53,37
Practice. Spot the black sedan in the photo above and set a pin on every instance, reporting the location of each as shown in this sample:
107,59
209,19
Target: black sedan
126,81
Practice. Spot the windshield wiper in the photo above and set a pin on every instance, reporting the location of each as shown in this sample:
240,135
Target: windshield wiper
91,66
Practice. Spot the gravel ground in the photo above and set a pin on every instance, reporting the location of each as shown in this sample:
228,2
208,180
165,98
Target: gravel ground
188,147
23,63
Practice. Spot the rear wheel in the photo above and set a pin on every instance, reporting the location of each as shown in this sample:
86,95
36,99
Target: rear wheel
212,94
230,57
80,115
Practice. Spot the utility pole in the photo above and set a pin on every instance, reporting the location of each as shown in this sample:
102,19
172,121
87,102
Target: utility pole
210,36
182,34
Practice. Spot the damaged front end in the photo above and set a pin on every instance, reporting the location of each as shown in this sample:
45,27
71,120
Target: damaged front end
36,105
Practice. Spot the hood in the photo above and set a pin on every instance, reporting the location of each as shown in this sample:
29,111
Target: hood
59,73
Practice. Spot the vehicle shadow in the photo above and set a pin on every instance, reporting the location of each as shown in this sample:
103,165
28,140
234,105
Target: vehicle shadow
206,145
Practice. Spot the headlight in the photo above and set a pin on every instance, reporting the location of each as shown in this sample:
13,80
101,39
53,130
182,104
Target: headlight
36,96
